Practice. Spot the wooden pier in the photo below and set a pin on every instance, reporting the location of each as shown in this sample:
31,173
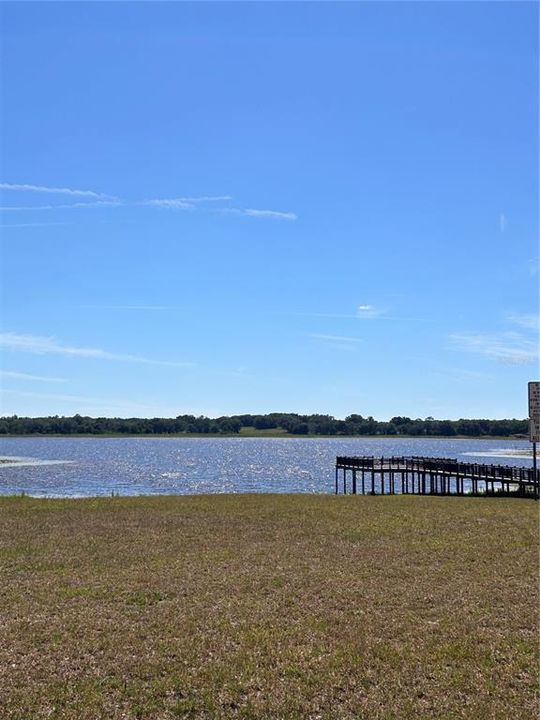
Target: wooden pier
433,476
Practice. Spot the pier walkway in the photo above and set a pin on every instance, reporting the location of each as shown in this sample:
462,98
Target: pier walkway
433,476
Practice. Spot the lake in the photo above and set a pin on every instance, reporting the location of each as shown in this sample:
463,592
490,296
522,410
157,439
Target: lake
85,467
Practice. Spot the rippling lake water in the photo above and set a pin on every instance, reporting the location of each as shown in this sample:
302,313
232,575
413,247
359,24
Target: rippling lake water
83,467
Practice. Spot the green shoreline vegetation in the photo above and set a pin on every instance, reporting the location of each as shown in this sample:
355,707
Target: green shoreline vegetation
277,435
268,606
270,425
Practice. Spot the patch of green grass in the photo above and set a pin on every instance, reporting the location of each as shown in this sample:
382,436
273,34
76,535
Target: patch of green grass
268,606
267,432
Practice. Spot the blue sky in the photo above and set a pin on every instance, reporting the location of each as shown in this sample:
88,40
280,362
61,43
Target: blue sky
218,208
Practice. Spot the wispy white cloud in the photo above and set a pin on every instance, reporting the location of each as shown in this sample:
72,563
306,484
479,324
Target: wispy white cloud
252,212
316,314
185,203
170,204
52,190
503,222
207,198
529,321
175,203
369,312
335,338
25,376
277,215
70,206
509,348
39,345
363,312
182,203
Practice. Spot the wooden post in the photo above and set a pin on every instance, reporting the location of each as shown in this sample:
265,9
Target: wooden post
336,479
354,481
536,478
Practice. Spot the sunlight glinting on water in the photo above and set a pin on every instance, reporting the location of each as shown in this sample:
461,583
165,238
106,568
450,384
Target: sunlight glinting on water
86,467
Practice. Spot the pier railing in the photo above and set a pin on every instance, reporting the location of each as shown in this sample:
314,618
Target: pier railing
434,476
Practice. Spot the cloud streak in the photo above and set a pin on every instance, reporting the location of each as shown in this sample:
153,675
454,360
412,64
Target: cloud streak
369,312
52,190
39,345
529,321
508,348
254,213
33,378
169,204
275,214
185,203
335,338
65,206
172,204
101,200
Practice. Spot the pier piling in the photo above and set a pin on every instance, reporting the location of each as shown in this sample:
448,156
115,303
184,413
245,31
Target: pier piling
434,476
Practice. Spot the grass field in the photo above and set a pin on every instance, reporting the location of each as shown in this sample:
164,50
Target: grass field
266,606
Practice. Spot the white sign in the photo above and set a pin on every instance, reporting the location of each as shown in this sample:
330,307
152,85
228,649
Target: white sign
534,411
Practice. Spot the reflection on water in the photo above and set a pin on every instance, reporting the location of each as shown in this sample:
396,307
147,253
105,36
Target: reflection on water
14,461
522,453
82,467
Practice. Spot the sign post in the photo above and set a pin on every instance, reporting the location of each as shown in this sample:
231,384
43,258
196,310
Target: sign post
534,426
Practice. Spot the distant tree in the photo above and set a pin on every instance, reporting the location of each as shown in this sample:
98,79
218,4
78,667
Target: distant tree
301,428
293,423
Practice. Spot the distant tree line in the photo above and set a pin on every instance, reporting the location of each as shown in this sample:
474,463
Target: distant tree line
290,423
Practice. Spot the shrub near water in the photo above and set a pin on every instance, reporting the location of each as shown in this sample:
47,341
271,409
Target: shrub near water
261,606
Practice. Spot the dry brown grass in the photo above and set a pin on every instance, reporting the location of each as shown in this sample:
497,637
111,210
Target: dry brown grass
255,606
